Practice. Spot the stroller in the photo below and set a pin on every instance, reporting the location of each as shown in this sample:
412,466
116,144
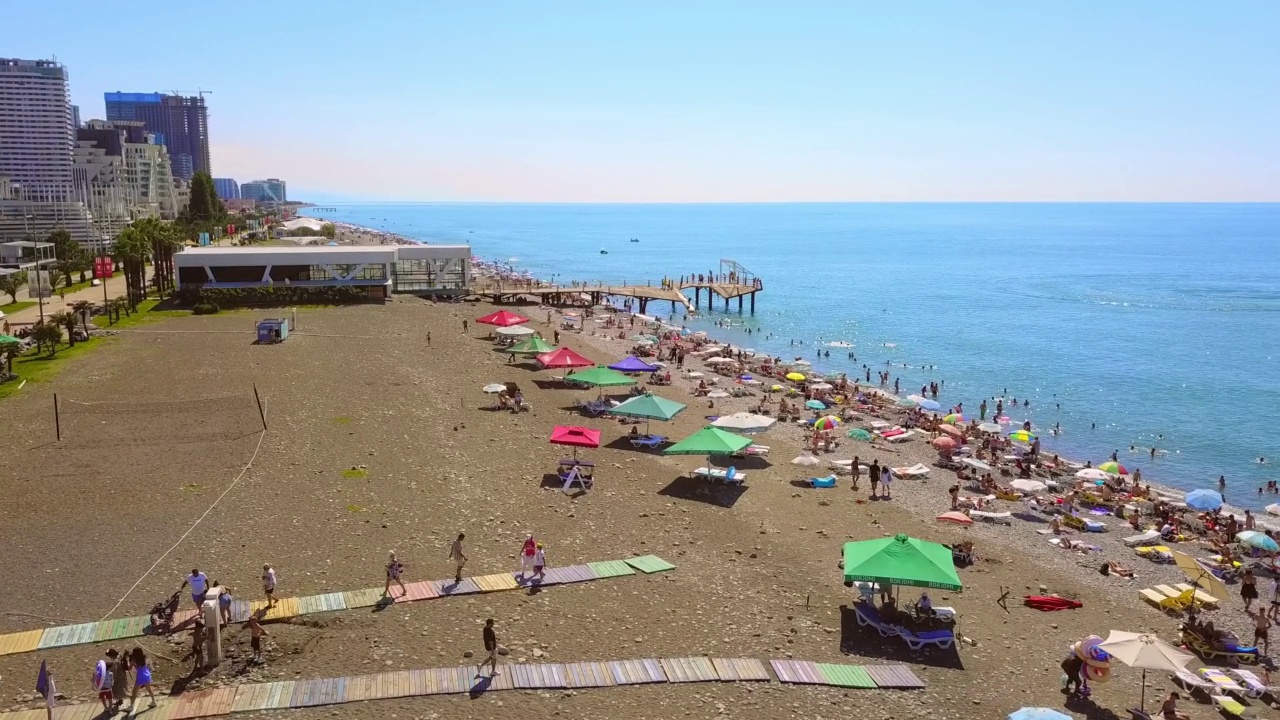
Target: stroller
162,614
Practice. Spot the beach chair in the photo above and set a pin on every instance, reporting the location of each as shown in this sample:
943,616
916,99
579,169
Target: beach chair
1253,685
1201,597
1228,705
822,482
1003,518
868,616
733,477
1221,682
651,442
941,639
753,450
1150,537
1161,601
1073,522
1192,683
1155,553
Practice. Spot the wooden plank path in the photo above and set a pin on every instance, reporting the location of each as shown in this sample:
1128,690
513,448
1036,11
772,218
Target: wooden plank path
463,679
289,607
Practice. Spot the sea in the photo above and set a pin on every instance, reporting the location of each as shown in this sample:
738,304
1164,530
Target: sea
1125,327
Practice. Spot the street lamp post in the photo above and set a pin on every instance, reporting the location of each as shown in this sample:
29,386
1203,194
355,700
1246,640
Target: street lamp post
26,227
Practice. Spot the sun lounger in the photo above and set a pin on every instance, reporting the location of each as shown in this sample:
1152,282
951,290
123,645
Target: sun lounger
915,471
1228,705
1192,683
868,616
753,451
1162,601
1149,537
1004,518
1253,685
730,476
647,441
1155,553
942,639
901,437
822,482
1201,597
1221,681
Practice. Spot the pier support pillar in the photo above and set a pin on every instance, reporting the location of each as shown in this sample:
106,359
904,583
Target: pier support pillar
739,303
711,301
726,304
753,303
697,296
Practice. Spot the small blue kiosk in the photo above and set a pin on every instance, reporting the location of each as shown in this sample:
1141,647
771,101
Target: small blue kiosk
273,330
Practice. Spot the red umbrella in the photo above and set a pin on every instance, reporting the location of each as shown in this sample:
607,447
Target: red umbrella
575,436
563,358
502,318
945,443
951,430
958,518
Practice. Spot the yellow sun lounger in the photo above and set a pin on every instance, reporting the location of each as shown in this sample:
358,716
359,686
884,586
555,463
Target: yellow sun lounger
1201,597
1228,705
1162,601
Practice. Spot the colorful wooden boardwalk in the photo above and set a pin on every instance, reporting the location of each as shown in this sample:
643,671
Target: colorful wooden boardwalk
514,676
285,608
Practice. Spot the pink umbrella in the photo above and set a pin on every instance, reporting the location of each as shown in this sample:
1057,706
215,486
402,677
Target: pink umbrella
563,358
951,430
945,443
502,318
575,436
958,518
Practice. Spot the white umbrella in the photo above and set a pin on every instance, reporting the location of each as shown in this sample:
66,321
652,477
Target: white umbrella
517,331
804,363
717,394
744,422
492,388
806,460
976,464
1273,508
990,427
1028,486
1145,651
821,386
1092,474
719,360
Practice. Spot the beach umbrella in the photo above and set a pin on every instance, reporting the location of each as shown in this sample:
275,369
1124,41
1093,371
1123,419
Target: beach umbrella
806,460
649,407
599,377
1273,508
815,405
1036,713
744,422
795,377
952,430
776,388
633,364
900,560
826,422
717,394
531,346
859,434
9,340
822,386
502,318
945,443
709,441
563,358
644,338
1200,574
492,388
514,331
1147,652
927,404
958,518
990,427
976,464
719,361
1255,539
1113,468
801,363
1204,500
1028,486
953,418
575,437
1092,474
1022,436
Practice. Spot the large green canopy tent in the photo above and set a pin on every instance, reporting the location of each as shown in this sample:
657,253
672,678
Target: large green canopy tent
901,560
649,407
531,346
709,441
599,377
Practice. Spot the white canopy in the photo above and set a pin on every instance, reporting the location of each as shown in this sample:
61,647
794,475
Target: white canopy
516,331
744,422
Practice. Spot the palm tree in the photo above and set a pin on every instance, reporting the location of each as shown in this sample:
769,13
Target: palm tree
81,308
67,320
134,249
47,333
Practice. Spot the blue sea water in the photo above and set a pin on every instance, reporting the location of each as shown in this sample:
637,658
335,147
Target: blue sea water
1128,324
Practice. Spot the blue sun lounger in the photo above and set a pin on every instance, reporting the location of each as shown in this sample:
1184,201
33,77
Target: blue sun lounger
942,639
648,441
822,482
868,615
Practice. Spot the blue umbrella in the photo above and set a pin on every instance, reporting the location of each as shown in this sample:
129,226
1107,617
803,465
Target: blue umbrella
1253,538
1204,500
815,405
1030,713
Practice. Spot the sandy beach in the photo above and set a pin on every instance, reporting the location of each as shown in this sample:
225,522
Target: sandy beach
362,388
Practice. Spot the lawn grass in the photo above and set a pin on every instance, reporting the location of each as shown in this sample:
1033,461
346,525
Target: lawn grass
145,313
14,307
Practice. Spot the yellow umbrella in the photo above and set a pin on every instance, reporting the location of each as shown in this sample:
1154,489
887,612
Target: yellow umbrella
1200,575
795,376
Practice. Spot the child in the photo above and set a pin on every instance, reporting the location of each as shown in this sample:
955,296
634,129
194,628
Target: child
394,568
269,585
256,631
539,562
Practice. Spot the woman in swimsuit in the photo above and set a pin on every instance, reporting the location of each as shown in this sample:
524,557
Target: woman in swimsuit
142,678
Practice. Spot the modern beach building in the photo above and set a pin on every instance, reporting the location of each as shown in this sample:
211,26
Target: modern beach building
271,190
226,188
381,269
181,124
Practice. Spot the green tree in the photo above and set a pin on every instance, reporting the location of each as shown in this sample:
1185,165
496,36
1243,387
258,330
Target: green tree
164,239
70,255
62,318
10,351
204,208
11,283
81,309
134,249
328,230
47,333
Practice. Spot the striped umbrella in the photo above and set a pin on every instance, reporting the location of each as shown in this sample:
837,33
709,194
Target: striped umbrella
1023,436
1113,468
826,422
953,418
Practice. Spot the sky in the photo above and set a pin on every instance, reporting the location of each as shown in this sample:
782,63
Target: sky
398,100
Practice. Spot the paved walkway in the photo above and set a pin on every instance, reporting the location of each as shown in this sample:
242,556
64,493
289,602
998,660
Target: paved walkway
285,608
53,304
516,676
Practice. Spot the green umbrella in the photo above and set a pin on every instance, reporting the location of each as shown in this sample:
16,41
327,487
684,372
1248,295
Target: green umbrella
709,441
599,377
531,346
9,340
859,434
900,560
649,407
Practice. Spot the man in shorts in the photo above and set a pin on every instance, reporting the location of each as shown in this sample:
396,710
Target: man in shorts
1261,624
199,583
269,585
256,631
490,648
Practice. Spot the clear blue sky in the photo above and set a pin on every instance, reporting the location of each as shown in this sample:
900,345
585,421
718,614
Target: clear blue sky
703,101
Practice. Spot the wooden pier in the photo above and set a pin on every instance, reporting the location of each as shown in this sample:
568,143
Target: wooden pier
732,281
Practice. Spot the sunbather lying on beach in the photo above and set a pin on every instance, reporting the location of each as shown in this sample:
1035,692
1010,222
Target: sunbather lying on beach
1111,567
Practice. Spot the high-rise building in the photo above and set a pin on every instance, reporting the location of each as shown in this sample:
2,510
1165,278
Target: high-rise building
271,190
181,124
226,188
75,117
36,138
124,175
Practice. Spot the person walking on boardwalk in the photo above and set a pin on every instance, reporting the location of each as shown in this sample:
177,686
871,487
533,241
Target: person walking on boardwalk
491,647
394,569
539,563
458,556
256,631
875,476
269,584
886,477
141,678
527,552
118,666
857,472
224,606
199,583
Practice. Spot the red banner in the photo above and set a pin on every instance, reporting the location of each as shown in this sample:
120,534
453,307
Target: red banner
103,267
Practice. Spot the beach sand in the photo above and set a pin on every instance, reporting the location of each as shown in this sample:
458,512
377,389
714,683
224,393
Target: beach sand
359,386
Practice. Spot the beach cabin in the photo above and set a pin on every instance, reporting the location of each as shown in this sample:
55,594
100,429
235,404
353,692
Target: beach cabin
273,330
